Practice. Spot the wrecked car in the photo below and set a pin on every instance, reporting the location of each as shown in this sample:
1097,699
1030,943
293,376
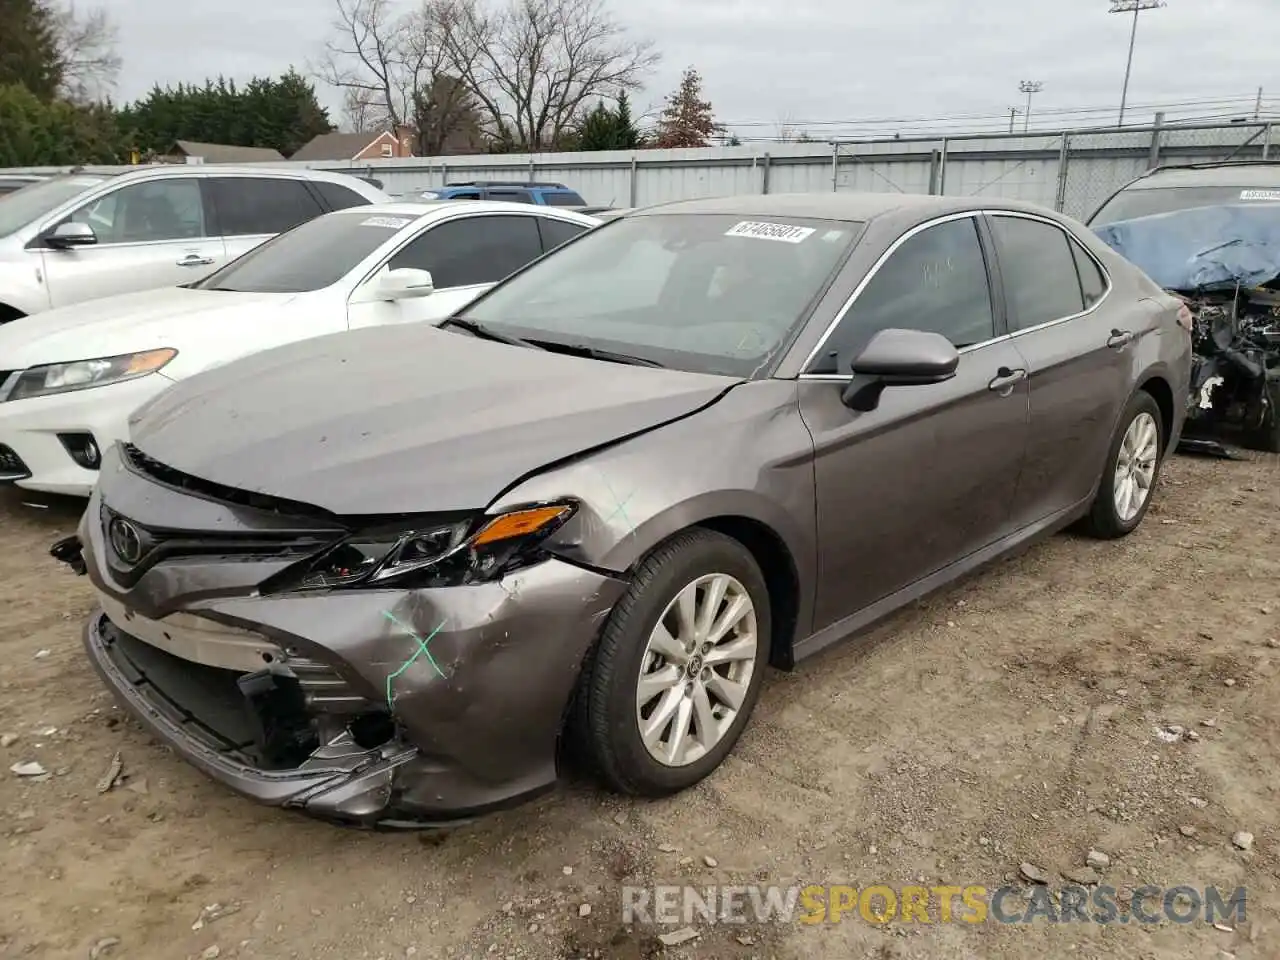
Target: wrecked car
1224,261
391,577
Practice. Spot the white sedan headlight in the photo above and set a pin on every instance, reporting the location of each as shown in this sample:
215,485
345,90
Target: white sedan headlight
83,374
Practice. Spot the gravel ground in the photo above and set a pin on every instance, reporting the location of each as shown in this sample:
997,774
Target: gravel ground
1013,719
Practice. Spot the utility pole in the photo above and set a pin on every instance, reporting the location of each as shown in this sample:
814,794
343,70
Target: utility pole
1030,88
1257,107
1013,115
1135,7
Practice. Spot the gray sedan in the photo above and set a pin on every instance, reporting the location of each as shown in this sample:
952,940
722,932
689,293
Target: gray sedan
386,576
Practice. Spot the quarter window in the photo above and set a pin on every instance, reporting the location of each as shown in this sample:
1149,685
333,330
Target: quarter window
936,281
1038,268
473,250
1092,282
337,196
141,212
556,232
251,206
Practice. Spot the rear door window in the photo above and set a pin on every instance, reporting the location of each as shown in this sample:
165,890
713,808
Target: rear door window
563,198
1038,268
472,250
249,206
511,196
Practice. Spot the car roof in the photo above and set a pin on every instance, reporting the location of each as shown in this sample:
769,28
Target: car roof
431,208
1249,173
858,207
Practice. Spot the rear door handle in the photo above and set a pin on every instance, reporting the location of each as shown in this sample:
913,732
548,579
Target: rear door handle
1119,339
1006,379
192,260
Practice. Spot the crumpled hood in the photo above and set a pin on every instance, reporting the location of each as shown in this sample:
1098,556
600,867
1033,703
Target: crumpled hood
403,419
112,326
1203,248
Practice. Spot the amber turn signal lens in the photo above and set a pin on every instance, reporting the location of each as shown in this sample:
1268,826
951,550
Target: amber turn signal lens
519,523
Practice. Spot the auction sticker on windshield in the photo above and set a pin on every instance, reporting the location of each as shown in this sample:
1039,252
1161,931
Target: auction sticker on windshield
781,232
1273,195
391,223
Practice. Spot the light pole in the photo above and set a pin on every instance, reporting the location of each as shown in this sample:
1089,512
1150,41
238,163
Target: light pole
1135,7
1030,88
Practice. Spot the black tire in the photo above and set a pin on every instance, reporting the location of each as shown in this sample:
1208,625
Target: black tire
604,722
1103,522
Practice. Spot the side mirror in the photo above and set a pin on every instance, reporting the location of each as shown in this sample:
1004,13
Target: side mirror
406,283
899,358
71,233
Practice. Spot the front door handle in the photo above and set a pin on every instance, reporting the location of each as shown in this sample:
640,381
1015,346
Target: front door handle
193,260
1119,339
1006,379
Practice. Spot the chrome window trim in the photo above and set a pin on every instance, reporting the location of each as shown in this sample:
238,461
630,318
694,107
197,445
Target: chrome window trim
920,228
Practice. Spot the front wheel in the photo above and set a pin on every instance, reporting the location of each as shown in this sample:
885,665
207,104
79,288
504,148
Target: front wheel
678,667
1133,467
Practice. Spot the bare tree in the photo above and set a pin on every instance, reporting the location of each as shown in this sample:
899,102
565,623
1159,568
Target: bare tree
360,111
87,51
366,61
535,66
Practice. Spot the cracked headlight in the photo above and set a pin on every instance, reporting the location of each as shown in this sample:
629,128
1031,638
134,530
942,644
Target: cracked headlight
449,554
82,374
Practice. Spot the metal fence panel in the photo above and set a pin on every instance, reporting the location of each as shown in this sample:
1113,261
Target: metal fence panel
1032,167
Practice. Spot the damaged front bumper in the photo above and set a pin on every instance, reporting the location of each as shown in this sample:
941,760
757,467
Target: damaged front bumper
1235,377
379,708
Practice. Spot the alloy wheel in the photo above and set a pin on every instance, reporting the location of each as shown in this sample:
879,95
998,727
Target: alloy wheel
1136,467
696,669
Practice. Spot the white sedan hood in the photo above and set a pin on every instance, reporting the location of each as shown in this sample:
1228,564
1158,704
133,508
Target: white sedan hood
176,317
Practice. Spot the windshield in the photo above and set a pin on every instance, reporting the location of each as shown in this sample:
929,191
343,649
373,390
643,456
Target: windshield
311,256
700,292
31,203
1148,201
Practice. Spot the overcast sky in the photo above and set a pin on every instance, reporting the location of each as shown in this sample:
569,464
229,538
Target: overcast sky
807,61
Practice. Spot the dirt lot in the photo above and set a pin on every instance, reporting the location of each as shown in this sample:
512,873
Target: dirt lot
1010,719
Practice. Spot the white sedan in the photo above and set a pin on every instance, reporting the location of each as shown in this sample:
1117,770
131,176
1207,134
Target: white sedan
70,378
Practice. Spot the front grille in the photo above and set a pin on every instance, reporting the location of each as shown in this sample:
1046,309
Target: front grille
158,545
171,477
11,465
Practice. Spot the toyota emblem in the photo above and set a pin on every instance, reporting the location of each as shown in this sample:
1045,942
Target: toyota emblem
125,539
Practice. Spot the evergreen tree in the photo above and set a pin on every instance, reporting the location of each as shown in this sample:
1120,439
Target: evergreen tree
29,54
57,133
687,119
281,113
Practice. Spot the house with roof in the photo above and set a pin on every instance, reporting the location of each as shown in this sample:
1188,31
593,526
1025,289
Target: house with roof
193,151
358,146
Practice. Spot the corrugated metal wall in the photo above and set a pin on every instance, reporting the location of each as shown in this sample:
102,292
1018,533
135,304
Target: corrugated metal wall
1073,171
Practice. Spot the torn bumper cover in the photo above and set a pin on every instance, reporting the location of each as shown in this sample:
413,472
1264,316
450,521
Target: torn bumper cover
1223,262
375,707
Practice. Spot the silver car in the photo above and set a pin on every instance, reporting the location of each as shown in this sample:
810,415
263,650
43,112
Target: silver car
87,235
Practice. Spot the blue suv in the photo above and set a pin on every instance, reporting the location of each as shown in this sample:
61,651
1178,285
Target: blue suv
546,194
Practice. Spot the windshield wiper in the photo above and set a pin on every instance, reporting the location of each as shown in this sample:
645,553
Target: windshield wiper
596,353
488,333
